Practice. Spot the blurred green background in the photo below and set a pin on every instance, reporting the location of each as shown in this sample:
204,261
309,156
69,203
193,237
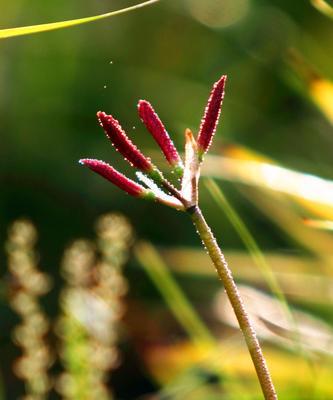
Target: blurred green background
52,84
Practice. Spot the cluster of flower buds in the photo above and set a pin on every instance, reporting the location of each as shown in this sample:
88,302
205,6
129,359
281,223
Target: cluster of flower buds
156,186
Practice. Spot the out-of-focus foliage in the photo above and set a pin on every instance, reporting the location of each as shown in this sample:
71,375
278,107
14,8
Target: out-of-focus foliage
323,6
91,305
278,106
27,284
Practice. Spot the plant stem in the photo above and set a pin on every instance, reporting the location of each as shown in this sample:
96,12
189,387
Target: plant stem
225,275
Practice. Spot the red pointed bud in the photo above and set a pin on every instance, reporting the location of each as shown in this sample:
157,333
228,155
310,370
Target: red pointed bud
122,143
155,126
211,117
118,179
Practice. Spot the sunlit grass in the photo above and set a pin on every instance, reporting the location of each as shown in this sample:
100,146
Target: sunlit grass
182,366
318,88
298,275
238,164
284,196
182,309
257,256
27,30
248,240
323,6
319,224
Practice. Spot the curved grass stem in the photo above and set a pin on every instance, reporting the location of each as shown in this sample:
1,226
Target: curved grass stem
245,325
253,248
150,260
27,30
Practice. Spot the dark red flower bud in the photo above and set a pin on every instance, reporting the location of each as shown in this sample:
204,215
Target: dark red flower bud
118,179
122,143
159,133
211,117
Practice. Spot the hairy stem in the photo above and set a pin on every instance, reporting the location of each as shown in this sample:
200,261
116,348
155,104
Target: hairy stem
225,275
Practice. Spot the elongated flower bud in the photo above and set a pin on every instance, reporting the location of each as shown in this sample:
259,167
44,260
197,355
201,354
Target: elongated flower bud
211,117
122,143
156,128
118,179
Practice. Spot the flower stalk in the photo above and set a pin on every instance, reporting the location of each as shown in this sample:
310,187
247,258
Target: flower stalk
235,299
160,189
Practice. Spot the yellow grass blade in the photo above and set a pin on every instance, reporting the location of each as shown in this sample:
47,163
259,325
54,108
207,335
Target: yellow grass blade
323,7
300,277
27,30
182,309
171,360
259,259
249,242
321,91
318,88
311,192
319,224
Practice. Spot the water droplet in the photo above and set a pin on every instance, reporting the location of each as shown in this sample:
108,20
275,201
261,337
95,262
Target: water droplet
111,62
104,86
133,127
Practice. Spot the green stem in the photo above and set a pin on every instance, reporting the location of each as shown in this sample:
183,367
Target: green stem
245,325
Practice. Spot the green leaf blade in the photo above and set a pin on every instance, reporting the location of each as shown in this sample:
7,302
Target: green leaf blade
27,30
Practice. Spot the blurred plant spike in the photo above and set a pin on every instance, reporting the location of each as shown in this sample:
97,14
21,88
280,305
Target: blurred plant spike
27,285
91,307
80,379
77,263
155,126
323,7
114,240
27,30
186,199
